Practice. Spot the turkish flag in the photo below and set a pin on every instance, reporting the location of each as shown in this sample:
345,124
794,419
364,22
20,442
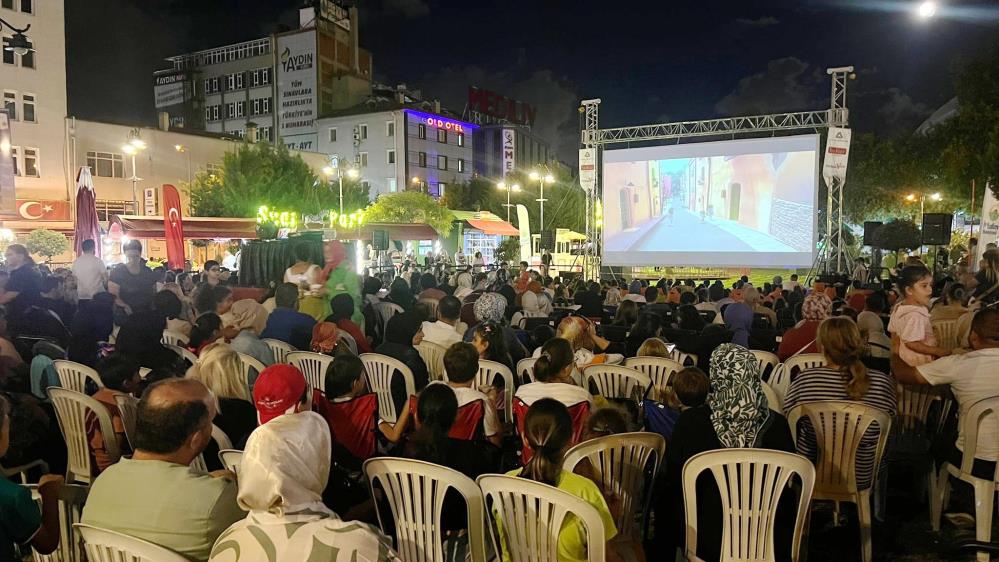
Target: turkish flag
173,227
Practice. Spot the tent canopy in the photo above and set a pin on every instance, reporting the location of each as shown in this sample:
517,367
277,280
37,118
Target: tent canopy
486,222
137,226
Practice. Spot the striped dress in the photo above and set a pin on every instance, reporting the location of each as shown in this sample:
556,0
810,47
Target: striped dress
823,383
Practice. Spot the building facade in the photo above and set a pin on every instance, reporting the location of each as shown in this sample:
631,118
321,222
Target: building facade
396,148
34,96
500,149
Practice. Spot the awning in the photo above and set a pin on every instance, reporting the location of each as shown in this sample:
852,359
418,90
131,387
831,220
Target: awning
486,222
137,226
396,231
22,226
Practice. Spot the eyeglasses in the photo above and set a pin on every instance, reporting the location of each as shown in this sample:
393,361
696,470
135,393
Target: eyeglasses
215,269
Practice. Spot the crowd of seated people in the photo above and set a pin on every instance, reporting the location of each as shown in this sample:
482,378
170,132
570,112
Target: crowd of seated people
304,447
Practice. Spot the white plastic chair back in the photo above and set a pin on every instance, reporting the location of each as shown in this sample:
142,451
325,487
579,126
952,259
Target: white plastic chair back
914,403
431,305
103,545
74,376
280,349
946,333
780,377
230,459
312,365
72,497
72,409
532,514
750,483
184,353
379,370
144,372
385,311
660,371
620,463
415,492
774,401
486,376
174,338
765,359
128,405
250,365
221,440
525,370
616,381
683,358
349,340
433,355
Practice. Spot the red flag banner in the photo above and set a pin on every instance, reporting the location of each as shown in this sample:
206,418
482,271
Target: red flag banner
173,227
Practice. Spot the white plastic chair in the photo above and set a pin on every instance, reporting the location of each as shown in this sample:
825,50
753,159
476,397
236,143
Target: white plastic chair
174,338
184,353
380,370
103,545
532,514
72,497
144,372
385,311
774,401
525,370
839,427
312,365
280,349
683,358
349,340
660,371
431,305
620,464
780,377
250,365
433,355
488,371
72,409
616,381
946,333
765,359
128,405
74,376
415,491
985,489
230,459
750,483
221,440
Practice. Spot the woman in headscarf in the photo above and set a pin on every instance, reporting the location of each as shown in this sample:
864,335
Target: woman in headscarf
635,292
283,472
738,318
325,336
735,415
463,284
401,294
338,278
801,338
400,339
491,307
249,318
533,303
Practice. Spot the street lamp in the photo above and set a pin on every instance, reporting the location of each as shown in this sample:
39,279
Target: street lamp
352,173
131,148
418,183
542,179
927,9
509,189
921,197
17,43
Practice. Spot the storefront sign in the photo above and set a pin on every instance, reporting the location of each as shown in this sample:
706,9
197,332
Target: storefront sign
500,107
296,88
509,150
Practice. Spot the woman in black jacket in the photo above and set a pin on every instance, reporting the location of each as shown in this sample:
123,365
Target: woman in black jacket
399,335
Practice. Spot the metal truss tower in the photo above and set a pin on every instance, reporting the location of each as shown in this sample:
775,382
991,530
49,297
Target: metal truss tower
839,116
592,249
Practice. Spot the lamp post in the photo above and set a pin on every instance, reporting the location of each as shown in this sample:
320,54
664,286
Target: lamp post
17,43
417,183
912,197
133,147
509,189
352,173
542,179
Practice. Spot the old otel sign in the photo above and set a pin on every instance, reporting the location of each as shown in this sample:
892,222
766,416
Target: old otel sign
445,124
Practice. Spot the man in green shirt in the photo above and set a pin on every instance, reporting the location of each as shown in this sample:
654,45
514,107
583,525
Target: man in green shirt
155,495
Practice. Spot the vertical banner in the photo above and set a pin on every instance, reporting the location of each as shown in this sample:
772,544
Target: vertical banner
173,227
588,169
8,200
509,151
837,155
524,222
296,90
990,222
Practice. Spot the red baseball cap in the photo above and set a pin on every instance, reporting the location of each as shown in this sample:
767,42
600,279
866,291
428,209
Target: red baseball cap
277,390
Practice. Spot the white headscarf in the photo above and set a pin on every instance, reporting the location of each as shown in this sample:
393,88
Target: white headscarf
286,465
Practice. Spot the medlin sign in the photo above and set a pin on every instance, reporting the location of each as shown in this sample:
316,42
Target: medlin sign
500,108
296,90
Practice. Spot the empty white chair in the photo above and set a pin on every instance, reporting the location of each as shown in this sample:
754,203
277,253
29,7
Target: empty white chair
433,355
312,365
750,483
766,360
280,349
252,367
184,353
103,545
985,488
72,497
486,376
379,370
415,492
684,358
128,405
525,370
221,440
660,371
619,463
230,459
780,377
532,514
74,376
72,409
174,338
616,381
839,427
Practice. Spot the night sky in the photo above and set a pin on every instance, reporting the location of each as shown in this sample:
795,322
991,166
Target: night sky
647,61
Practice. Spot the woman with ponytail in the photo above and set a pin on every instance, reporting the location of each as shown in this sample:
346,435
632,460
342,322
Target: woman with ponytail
436,410
553,376
844,377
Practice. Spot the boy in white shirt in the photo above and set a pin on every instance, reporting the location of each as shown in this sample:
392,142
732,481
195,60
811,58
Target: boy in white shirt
461,362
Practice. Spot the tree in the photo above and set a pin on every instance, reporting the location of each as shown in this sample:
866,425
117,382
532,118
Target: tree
47,243
508,250
411,207
897,235
261,174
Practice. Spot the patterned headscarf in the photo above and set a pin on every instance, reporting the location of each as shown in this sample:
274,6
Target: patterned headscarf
816,307
635,288
738,406
490,307
324,337
248,314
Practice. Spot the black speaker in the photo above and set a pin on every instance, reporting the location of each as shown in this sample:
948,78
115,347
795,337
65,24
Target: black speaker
379,239
869,228
936,228
548,240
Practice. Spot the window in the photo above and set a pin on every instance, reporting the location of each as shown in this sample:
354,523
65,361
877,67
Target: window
461,164
423,159
441,186
390,128
31,162
212,112
264,133
28,59
392,184
234,81
260,77
461,139
422,131
390,156
332,134
442,136
28,8
213,85
362,131
28,107
441,162
10,104
9,4
8,56
260,106
15,152
106,164
363,158
235,109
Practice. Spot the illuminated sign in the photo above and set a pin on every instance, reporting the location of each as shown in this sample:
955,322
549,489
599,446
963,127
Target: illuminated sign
501,108
445,124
